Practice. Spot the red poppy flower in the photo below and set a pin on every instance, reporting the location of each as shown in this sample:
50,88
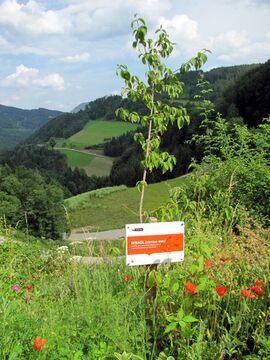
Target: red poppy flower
247,294
190,287
258,290
208,263
258,283
223,259
29,287
39,343
126,277
221,290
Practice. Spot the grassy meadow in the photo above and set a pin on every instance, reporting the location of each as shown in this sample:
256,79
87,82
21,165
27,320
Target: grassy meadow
96,132
93,165
214,305
97,209
77,159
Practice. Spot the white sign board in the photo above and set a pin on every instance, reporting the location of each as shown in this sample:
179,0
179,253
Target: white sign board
154,243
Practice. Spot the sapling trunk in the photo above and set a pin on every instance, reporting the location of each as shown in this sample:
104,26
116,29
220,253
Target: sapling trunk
146,157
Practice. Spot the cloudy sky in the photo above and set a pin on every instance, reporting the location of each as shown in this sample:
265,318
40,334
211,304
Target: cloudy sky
59,53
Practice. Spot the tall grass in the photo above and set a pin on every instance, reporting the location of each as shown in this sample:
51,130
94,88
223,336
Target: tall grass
99,310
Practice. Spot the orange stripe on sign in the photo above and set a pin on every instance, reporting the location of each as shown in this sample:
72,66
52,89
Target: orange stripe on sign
149,244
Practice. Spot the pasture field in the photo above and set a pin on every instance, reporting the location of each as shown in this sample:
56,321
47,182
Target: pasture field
76,158
114,210
93,165
96,132
99,166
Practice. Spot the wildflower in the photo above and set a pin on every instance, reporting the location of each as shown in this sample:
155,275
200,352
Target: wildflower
208,263
258,290
39,343
258,283
62,249
221,290
191,288
223,259
29,287
247,294
16,287
126,277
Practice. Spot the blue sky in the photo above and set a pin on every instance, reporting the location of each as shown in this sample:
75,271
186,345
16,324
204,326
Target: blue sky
59,53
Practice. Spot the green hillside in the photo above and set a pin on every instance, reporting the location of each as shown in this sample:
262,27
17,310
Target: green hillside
96,132
17,124
249,96
77,158
68,124
93,165
112,208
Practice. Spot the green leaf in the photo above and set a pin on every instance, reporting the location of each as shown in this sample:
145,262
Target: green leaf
189,319
199,304
170,327
175,287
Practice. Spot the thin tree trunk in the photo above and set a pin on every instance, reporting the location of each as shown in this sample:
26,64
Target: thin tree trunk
146,157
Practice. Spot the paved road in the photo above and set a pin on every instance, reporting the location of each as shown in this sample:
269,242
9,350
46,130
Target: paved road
102,235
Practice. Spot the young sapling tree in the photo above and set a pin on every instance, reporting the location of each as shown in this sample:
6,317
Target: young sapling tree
159,79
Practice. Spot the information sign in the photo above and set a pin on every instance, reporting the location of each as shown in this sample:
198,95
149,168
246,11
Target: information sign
154,243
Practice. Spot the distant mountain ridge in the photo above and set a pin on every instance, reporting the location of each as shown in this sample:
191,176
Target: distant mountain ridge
17,124
79,107
68,124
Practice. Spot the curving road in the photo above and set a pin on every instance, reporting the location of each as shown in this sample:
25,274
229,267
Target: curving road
101,235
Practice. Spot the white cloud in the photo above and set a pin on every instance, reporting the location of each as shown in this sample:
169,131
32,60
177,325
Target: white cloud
96,19
83,57
31,18
51,81
237,46
25,77
180,28
229,40
253,52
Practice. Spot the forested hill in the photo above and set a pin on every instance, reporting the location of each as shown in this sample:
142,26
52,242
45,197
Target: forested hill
248,96
219,78
104,108
68,124
17,124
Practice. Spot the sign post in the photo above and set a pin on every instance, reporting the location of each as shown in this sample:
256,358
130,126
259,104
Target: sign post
151,244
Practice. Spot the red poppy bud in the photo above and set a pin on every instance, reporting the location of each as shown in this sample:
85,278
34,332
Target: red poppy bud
208,263
39,343
190,287
126,277
221,290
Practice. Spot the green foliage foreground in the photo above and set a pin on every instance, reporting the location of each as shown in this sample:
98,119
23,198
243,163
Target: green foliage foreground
214,305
